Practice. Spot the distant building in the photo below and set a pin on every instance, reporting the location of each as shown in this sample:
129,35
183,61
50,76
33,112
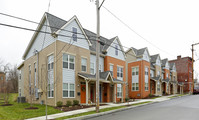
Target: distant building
184,72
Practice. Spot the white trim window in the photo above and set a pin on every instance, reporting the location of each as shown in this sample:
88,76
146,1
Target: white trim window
162,76
119,73
74,34
51,76
68,61
158,74
84,64
68,90
2,77
146,78
151,73
167,75
119,91
92,69
135,78
111,69
116,50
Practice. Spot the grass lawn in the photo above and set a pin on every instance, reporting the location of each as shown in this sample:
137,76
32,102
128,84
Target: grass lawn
17,111
101,110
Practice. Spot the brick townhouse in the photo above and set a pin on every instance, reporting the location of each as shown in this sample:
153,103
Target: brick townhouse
184,72
138,75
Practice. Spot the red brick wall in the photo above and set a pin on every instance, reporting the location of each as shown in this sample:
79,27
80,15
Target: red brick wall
184,71
116,62
142,92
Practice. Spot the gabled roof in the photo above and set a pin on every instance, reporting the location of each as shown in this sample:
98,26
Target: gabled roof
166,80
139,52
164,61
103,76
171,65
154,58
155,78
55,23
152,66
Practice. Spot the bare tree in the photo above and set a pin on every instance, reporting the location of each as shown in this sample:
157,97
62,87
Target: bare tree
13,79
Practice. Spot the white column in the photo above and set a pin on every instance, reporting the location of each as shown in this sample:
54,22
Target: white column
86,92
114,99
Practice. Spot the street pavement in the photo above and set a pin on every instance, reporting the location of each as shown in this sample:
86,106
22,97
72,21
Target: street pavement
181,108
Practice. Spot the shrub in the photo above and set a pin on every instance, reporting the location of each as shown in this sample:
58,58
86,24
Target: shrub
75,102
59,104
68,103
126,99
150,95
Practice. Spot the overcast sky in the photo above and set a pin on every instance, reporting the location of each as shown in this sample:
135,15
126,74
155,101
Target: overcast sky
170,26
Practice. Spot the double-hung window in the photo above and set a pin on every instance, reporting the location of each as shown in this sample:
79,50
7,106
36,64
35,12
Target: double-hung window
84,64
74,34
146,79
50,76
119,91
119,73
68,61
92,68
68,90
111,69
69,80
135,78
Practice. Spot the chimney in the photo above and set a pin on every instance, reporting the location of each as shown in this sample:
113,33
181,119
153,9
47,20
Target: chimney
179,57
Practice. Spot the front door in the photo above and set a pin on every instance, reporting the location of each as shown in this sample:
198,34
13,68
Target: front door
83,93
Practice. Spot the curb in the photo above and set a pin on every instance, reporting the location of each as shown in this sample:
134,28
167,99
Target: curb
108,112
118,110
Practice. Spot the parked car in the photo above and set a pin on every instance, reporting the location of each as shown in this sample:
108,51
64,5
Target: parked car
196,90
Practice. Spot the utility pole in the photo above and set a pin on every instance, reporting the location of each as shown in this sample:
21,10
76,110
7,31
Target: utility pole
97,53
193,63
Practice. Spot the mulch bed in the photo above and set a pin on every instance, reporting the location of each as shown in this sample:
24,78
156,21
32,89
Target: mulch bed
6,105
31,108
77,107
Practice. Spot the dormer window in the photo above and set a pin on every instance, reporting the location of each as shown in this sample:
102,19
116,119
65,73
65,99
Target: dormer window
116,50
74,34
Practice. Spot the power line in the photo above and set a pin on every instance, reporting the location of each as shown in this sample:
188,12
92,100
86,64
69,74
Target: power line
49,26
17,27
134,30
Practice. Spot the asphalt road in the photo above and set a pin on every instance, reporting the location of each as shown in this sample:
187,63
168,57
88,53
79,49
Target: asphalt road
183,108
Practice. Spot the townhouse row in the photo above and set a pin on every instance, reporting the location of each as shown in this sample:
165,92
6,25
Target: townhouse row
62,63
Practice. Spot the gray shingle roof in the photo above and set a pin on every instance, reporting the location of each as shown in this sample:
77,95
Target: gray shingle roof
154,58
139,52
166,80
171,65
152,66
156,78
164,61
102,75
55,23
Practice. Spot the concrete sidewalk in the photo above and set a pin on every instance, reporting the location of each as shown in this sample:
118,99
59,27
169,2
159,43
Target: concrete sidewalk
109,105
